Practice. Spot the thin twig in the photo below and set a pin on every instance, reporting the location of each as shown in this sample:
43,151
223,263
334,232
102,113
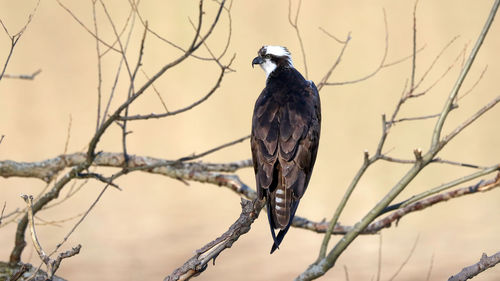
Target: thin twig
14,38
196,156
294,24
469,121
99,66
430,268
85,27
332,36
80,220
156,92
412,250
346,273
52,264
3,210
189,107
435,160
31,76
463,74
379,67
325,78
414,46
473,85
379,258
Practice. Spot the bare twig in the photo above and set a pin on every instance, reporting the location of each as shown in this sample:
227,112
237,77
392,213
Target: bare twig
52,264
430,268
23,76
156,92
325,78
14,38
85,27
81,220
484,263
189,107
403,264
431,66
199,262
473,85
294,24
379,258
435,160
469,121
332,36
414,45
99,177
379,67
99,65
416,118
3,210
197,156
346,272
463,74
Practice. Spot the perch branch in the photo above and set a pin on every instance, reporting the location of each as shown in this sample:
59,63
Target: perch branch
199,262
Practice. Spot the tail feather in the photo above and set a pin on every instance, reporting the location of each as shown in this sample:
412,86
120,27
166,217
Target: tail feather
271,222
281,234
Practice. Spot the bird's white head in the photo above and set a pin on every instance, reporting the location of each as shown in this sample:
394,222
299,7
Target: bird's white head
272,57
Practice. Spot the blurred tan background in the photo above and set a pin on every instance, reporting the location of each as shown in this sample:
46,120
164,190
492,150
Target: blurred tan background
151,227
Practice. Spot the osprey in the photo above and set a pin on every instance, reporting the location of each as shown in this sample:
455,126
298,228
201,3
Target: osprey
285,135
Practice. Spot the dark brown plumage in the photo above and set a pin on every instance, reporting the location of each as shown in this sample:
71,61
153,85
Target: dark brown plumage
285,136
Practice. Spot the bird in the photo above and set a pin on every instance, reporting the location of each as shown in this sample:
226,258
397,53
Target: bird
286,126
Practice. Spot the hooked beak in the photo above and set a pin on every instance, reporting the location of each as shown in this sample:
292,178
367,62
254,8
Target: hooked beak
257,60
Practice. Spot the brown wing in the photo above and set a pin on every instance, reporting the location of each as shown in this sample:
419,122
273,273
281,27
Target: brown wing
285,136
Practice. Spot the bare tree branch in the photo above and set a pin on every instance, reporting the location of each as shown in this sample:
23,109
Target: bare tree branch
14,38
374,72
199,262
45,170
189,107
85,27
324,262
52,264
484,263
401,210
